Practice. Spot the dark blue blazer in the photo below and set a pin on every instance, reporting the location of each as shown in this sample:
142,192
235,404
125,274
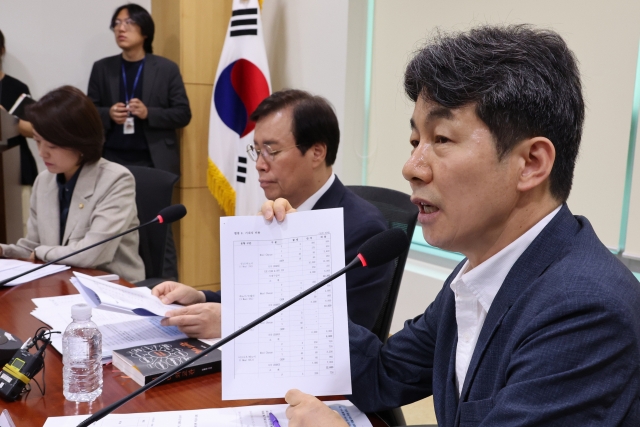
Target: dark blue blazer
164,95
560,344
366,287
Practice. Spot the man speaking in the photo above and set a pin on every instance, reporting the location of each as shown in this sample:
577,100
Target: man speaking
540,324
295,145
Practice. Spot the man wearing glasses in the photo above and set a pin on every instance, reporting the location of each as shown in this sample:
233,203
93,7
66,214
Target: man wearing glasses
295,145
141,100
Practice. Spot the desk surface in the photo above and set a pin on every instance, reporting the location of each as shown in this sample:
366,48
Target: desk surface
33,409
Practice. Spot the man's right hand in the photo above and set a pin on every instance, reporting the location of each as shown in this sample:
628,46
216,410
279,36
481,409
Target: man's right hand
118,113
196,321
174,292
278,208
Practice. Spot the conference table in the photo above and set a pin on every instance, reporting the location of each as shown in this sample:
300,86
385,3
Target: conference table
34,408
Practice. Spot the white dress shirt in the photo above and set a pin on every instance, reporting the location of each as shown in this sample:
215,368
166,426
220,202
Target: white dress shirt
308,204
475,291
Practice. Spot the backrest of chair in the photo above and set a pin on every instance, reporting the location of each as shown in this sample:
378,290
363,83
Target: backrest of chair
399,212
154,188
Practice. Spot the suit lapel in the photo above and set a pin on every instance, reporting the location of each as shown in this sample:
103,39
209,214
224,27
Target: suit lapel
149,73
444,363
332,197
49,232
451,391
80,198
540,254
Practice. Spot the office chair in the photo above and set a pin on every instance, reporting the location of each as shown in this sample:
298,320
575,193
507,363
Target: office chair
154,189
399,212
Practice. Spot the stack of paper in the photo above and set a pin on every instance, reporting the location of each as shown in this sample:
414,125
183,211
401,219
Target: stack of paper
13,267
105,295
118,330
247,416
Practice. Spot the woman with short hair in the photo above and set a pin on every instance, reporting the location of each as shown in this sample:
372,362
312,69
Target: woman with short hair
81,198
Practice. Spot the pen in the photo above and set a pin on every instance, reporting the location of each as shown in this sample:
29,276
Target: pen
274,420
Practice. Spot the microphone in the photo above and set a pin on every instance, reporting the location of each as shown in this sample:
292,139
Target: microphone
165,216
378,250
170,214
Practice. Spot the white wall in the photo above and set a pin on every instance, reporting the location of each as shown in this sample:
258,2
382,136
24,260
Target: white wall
306,44
603,35
55,43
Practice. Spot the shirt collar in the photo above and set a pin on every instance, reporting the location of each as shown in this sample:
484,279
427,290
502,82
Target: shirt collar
308,204
485,280
60,179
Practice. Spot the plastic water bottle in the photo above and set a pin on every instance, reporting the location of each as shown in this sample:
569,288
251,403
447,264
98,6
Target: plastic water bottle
82,357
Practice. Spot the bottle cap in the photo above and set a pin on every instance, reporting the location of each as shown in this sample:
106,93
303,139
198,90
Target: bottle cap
81,312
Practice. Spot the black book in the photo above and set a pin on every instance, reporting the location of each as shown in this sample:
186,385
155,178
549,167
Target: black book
145,363
18,108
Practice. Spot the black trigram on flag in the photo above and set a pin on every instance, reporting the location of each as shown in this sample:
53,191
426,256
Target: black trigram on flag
242,169
244,22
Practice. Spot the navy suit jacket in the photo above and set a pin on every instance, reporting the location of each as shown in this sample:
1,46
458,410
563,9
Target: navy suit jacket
560,344
366,287
163,94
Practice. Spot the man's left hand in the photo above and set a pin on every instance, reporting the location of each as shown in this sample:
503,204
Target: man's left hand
307,411
138,109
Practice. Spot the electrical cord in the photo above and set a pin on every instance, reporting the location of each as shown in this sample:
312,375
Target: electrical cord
41,339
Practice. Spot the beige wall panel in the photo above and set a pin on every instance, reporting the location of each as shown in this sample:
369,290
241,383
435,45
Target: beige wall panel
204,25
199,261
194,151
603,35
166,16
191,33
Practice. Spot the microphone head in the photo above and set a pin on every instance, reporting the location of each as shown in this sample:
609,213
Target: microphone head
383,247
171,214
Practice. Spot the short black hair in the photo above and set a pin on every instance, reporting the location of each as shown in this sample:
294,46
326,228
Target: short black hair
313,119
67,118
523,81
1,43
143,19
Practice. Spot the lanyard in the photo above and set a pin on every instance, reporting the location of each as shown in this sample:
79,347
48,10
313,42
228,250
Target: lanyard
135,82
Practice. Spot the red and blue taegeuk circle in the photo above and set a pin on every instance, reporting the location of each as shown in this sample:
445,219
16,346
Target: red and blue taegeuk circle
240,88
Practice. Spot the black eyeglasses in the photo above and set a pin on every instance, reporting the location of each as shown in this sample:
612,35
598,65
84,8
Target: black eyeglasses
267,152
127,24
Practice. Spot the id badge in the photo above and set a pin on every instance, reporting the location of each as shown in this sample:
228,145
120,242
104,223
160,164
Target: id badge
129,127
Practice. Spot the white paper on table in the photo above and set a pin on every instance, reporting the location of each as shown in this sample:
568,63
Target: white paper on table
243,416
306,346
210,341
120,299
5,419
118,330
66,301
13,267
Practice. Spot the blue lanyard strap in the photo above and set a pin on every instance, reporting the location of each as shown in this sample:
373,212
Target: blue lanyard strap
135,82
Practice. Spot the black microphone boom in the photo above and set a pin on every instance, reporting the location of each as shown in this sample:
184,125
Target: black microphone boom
389,242
383,247
165,216
171,214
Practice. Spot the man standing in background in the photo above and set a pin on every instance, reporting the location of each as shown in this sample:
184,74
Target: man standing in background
142,102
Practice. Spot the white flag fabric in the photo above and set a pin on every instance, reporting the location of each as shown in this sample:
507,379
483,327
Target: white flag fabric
242,82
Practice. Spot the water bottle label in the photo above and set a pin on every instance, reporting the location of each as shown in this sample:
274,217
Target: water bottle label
78,349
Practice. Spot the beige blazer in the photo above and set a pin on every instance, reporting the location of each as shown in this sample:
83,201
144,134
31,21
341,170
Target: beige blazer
103,204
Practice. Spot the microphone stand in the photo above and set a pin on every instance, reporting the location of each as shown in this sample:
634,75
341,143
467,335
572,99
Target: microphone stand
107,410
4,282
